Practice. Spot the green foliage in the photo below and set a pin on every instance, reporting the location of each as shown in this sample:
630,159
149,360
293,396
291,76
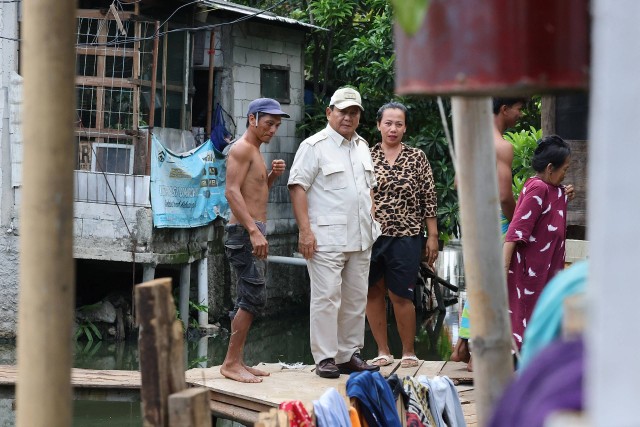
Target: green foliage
530,114
524,144
410,13
87,329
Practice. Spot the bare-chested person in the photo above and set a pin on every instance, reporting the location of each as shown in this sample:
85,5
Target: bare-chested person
246,246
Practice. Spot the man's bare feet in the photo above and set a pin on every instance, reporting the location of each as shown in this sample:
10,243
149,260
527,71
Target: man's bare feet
461,351
239,373
469,366
256,372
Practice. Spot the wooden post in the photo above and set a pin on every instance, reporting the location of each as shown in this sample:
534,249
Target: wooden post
190,408
482,250
548,115
47,273
160,347
212,54
152,97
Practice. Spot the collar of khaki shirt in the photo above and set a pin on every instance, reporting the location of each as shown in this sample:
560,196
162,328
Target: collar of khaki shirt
337,138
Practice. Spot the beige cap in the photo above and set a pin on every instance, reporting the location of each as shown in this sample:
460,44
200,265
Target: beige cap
346,97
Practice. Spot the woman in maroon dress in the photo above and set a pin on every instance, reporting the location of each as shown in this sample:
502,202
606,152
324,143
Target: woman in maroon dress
534,245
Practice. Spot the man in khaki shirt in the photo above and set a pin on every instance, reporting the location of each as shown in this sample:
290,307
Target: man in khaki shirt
330,183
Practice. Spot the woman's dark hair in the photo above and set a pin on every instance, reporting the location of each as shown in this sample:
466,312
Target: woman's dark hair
389,105
551,149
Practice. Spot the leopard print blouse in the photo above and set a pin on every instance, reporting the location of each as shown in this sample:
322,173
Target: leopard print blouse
406,193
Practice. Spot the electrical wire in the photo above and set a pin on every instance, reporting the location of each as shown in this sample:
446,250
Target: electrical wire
126,40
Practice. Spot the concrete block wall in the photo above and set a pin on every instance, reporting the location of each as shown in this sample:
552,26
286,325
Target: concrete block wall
249,46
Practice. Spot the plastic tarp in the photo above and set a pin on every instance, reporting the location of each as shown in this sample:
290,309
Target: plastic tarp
187,190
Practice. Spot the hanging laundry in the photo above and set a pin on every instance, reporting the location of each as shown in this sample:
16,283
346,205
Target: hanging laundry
330,410
220,136
297,413
444,401
418,412
374,394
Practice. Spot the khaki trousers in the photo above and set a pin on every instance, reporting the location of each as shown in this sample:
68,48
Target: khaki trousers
339,284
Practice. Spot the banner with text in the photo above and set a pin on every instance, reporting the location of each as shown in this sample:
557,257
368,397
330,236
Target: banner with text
187,190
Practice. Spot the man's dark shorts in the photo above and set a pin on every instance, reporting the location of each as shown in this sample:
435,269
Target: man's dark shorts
250,289
397,261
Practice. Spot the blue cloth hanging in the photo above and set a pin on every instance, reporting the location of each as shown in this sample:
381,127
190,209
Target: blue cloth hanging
220,136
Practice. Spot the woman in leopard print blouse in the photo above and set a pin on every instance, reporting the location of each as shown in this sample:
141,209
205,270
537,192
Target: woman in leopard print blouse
405,202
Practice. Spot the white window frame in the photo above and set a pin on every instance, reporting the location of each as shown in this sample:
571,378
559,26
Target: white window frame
98,145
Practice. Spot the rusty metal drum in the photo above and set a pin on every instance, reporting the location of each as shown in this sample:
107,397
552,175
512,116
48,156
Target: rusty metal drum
495,47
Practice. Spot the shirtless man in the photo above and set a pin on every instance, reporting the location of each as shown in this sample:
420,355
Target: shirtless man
246,246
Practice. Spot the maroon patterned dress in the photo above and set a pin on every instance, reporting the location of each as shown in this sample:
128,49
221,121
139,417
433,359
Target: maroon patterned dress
539,227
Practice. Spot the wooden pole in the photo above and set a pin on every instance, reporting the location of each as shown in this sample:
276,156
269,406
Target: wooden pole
212,54
160,345
482,251
548,115
152,100
190,408
47,273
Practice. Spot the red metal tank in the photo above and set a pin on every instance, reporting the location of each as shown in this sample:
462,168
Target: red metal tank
495,47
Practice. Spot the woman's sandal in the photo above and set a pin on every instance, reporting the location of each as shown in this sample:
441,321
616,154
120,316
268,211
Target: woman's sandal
382,360
409,362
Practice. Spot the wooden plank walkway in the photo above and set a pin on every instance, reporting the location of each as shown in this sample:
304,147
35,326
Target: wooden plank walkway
243,402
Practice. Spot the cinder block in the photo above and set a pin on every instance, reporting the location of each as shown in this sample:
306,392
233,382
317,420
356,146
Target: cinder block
240,55
252,91
279,59
295,61
275,46
240,90
296,80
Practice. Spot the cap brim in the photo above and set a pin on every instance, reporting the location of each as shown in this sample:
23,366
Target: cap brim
276,113
346,104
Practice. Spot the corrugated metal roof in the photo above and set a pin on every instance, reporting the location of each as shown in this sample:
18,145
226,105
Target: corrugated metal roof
267,16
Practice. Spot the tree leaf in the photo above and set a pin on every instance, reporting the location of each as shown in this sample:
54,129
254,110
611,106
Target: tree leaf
410,14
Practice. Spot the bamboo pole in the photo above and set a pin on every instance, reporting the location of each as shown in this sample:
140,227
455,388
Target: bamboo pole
47,286
481,248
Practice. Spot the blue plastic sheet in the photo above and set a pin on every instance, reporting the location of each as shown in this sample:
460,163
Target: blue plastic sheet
187,190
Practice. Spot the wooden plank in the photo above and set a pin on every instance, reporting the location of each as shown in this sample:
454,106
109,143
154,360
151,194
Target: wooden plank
403,372
457,372
386,371
233,413
98,14
85,378
190,408
273,418
430,368
101,82
278,387
107,133
105,51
